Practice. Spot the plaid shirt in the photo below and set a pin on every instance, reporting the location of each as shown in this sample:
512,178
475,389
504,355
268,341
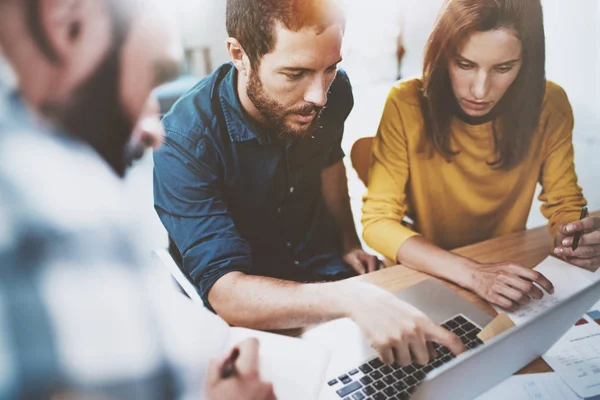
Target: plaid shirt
79,314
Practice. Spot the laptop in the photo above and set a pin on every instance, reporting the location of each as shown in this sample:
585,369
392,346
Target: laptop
355,372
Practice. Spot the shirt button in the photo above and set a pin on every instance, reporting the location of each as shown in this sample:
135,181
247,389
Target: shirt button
296,262
292,189
279,210
288,245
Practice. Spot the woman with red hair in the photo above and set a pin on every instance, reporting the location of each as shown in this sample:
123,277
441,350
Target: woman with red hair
461,151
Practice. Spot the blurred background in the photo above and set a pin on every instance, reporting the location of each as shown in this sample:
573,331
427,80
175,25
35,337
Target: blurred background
384,41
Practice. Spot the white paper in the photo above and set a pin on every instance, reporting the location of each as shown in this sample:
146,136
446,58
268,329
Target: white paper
576,356
566,278
294,366
546,386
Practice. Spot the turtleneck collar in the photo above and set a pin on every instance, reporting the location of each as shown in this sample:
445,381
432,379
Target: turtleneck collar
473,121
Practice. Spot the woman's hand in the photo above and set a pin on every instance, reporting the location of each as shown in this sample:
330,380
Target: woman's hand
509,285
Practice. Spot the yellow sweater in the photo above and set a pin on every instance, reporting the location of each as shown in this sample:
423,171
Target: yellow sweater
465,201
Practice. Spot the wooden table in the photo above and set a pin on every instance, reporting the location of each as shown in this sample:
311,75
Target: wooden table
527,248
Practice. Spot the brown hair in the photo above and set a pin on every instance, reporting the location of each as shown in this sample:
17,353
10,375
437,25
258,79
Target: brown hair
252,22
520,108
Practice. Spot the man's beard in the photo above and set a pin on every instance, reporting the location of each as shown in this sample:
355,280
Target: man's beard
275,114
94,114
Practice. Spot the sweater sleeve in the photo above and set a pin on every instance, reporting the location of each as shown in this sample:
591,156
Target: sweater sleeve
561,196
385,201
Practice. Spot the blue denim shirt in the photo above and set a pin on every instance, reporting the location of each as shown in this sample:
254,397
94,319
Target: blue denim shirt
235,197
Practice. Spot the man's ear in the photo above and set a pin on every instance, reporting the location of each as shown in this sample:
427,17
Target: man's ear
238,56
61,23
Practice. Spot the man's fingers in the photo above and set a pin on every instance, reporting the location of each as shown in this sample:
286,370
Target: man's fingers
445,338
372,262
533,276
420,352
386,354
247,362
402,354
358,265
432,353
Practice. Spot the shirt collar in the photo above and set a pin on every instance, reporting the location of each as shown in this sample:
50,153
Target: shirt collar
239,126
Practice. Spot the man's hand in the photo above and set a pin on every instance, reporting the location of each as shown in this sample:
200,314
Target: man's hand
361,261
244,381
508,285
395,329
587,254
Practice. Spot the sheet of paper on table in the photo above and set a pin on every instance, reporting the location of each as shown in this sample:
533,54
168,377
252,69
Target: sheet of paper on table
576,356
546,386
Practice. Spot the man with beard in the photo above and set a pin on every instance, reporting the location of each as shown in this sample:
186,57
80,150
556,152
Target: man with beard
251,186
79,316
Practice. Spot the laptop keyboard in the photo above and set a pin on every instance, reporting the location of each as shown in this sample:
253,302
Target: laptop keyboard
374,380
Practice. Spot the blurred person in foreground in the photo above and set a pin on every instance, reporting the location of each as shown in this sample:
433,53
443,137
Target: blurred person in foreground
252,189
79,316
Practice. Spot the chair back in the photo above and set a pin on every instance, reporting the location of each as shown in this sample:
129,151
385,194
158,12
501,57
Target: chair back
162,258
360,156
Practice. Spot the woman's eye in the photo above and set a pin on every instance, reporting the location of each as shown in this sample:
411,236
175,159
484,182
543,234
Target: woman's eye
463,65
503,70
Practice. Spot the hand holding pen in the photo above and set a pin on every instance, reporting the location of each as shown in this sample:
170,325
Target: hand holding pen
578,242
237,375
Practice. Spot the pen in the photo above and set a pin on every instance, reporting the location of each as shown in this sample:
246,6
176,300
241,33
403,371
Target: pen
578,234
229,366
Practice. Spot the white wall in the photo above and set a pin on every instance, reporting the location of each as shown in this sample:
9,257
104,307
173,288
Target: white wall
202,24
573,58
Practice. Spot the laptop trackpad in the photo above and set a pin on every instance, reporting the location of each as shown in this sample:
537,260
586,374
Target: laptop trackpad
441,303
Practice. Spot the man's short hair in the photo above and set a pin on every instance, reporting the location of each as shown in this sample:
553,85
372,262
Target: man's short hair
253,22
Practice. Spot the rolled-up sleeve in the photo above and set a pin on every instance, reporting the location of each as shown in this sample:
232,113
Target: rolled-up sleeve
190,204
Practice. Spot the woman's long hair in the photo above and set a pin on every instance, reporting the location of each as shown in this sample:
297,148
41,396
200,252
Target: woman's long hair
520,108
